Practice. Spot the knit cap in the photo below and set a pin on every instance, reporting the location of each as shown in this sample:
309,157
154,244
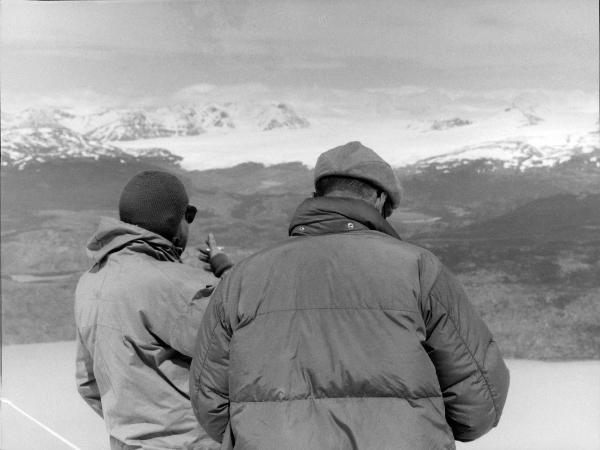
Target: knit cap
354,160
154,200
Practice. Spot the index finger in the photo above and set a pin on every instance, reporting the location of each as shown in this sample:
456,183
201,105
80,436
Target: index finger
212,242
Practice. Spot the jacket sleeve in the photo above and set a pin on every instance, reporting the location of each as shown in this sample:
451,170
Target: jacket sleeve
177,302
209,376
84,375
183,328
472,374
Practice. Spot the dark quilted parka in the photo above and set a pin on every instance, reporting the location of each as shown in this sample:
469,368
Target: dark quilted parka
344,337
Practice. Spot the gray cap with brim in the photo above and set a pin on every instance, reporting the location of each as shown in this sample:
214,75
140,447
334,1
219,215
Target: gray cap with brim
354,160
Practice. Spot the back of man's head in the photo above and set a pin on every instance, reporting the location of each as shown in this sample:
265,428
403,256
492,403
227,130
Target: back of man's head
334,185
154,200
356,169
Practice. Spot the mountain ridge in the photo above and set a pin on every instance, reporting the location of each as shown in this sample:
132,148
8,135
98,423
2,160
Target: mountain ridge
23,146
126,124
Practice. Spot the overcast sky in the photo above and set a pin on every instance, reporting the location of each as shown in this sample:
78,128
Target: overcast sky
156,48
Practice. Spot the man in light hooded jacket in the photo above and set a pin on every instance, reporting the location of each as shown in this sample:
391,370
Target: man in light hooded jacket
137,311
344,336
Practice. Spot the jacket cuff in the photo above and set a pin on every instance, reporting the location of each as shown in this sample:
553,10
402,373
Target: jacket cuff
220,263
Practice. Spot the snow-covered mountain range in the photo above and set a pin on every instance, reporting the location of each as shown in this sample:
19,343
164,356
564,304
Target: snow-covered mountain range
43,134
147,123
518,154
21,146
526,133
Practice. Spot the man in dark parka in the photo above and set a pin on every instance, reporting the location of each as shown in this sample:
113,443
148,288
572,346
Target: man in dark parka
344,336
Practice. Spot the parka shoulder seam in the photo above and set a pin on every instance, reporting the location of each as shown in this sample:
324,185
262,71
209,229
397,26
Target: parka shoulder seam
349,398
341,308
98,325
203,366
438,268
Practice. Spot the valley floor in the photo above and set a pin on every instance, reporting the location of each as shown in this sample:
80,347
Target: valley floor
551,405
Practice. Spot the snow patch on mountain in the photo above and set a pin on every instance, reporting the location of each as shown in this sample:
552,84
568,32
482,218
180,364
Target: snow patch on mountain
517,154
214,116
35,117
449,123
280,116
159,154
128,126
21,146
527,118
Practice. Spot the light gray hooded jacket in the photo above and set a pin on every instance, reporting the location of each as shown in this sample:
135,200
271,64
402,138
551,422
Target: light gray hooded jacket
137,321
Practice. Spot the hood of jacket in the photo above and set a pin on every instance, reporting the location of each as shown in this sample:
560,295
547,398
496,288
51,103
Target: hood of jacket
113,235
325,215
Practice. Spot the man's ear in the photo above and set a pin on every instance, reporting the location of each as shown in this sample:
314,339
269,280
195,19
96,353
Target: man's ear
380,203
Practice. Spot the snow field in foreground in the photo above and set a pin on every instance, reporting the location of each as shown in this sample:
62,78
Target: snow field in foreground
551,405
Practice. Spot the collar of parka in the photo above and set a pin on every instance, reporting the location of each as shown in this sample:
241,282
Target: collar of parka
327,215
